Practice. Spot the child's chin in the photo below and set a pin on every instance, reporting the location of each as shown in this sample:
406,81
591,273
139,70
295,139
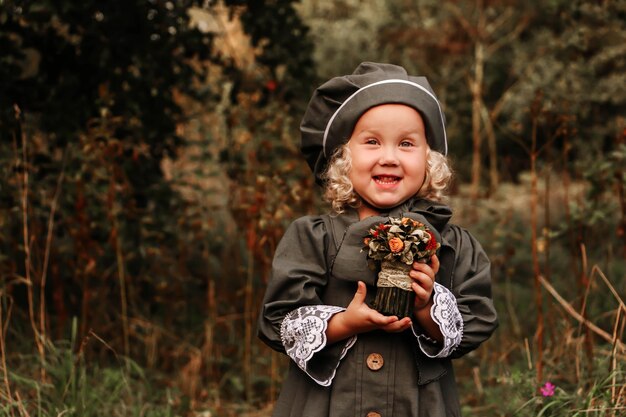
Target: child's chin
383,206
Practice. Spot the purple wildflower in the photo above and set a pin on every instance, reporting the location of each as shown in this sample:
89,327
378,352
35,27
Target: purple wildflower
548,389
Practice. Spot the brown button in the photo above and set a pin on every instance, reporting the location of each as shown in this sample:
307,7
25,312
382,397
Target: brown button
375,362
373,414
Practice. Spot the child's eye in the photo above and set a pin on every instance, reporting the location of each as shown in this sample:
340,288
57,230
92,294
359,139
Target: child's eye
371,141
406,143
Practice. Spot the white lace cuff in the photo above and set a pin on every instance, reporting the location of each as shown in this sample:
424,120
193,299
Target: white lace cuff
303,333
445,313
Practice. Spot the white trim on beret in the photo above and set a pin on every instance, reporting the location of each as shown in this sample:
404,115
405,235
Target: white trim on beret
390,81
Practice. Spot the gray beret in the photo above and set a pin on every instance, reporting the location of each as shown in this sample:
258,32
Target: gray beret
337,105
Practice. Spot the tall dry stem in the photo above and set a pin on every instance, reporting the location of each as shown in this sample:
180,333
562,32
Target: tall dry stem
587,339
476,86
20,405
613,366
24,190
248,313
121,273
595,270
116,241
3,353
621,186
547,224
494,178
209,324
46,260
533,231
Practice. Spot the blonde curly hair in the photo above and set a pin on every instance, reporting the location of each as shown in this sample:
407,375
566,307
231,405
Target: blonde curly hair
339,192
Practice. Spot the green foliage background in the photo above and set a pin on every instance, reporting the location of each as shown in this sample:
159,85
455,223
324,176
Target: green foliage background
149,165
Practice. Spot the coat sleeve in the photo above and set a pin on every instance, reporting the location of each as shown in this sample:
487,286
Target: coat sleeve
298,277
293,316
471,285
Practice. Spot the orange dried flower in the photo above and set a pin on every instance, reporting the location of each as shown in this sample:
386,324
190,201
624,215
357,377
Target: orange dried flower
408,221
396,244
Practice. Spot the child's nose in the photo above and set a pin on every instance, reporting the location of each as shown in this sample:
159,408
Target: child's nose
389,156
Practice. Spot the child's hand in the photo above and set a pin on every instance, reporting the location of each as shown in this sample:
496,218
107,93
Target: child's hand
360,318
423,276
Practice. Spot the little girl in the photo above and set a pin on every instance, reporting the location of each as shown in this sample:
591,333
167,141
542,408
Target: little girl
376,142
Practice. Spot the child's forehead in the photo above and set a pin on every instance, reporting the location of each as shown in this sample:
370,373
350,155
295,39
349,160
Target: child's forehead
387,109
390,115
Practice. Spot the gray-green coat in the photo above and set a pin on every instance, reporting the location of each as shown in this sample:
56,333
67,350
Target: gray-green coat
318,262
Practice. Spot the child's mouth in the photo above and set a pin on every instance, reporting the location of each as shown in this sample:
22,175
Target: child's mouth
386,180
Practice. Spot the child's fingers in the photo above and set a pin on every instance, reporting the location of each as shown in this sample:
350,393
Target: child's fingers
380,320
398,326
430,268
424,268
421,293
361,292
384,321
423,289
434,263
423,279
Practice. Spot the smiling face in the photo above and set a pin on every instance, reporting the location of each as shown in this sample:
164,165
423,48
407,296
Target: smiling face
388,150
